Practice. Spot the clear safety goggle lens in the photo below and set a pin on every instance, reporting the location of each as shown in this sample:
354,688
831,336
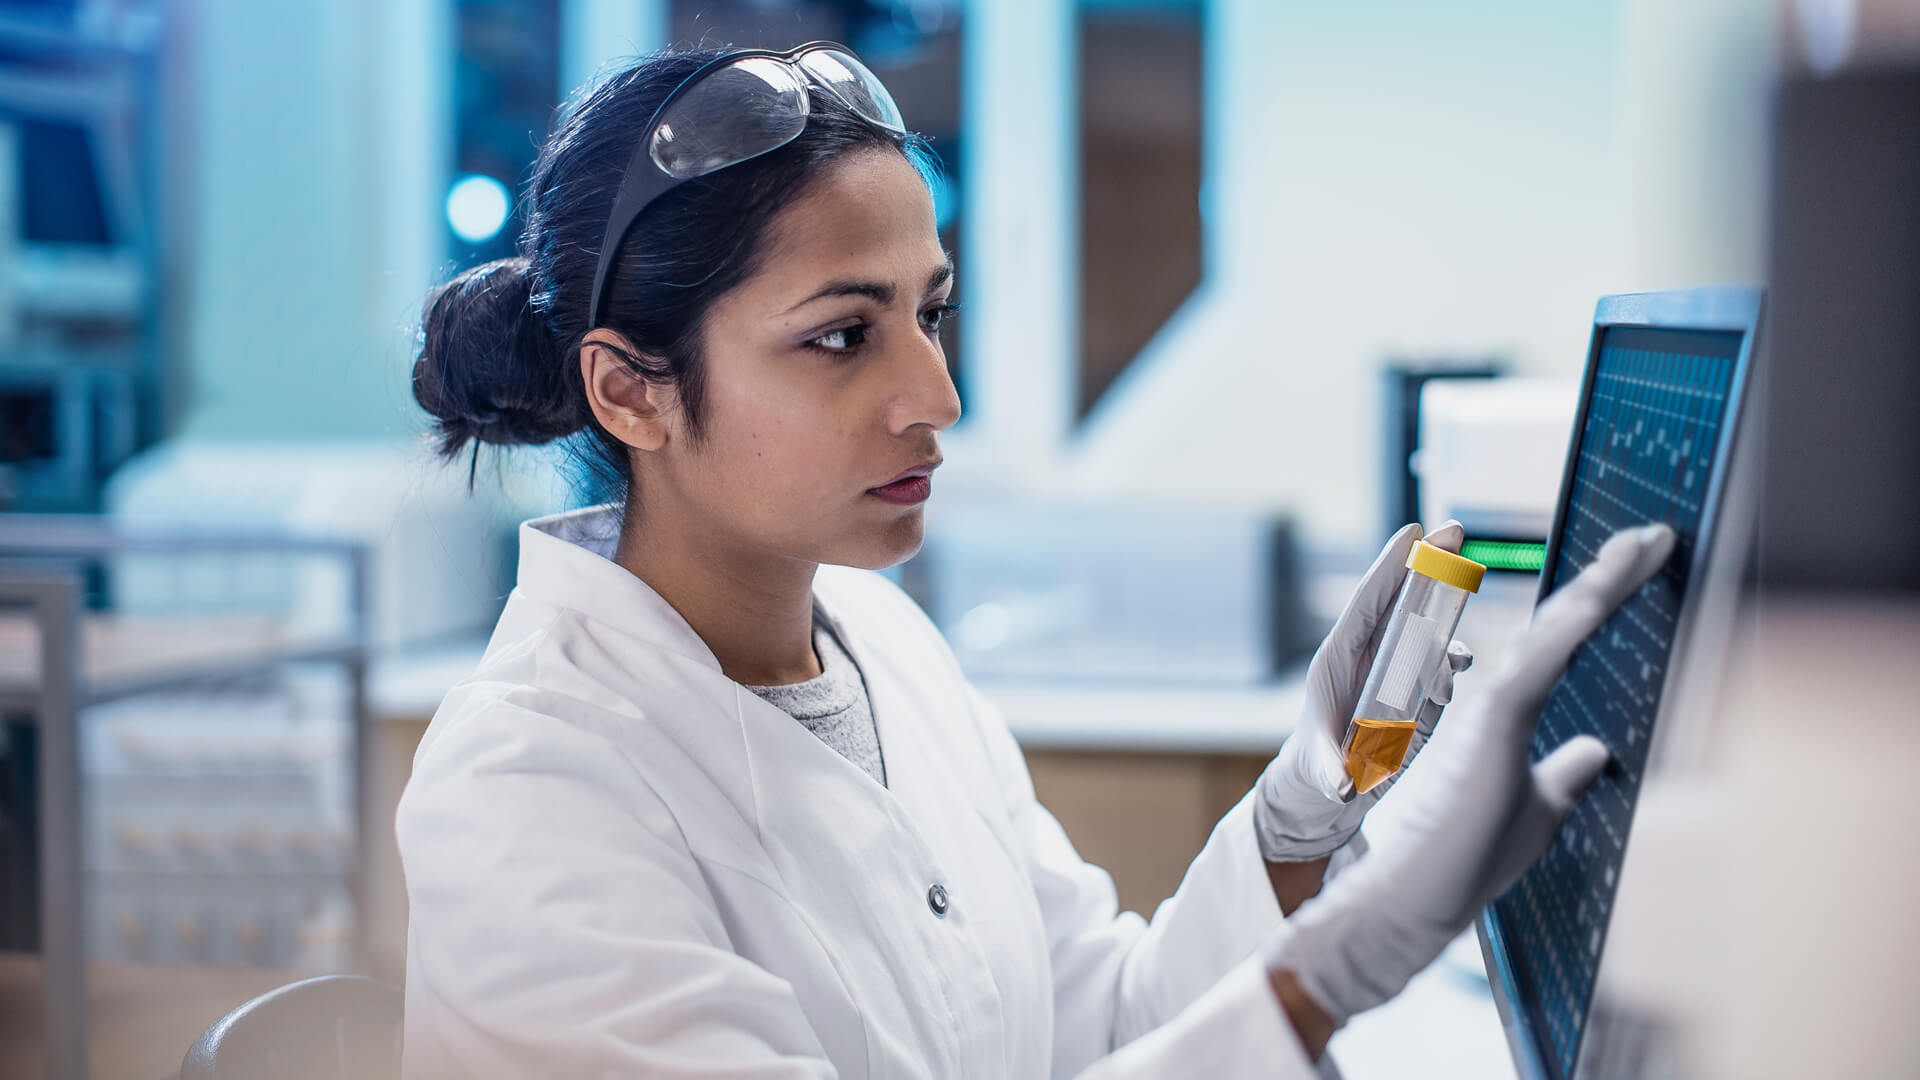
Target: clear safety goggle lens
736,112
758,104
850,81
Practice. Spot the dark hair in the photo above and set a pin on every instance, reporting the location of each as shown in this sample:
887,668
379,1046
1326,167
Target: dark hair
499,345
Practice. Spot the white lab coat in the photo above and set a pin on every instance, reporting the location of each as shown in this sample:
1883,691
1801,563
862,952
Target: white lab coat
622,863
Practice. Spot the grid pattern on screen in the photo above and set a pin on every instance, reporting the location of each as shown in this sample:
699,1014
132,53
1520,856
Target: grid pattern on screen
1646,453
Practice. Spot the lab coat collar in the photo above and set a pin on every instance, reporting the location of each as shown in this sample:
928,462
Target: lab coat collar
567,560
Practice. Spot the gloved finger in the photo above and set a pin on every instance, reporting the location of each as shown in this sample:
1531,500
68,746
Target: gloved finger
1339,666
1372,599
1321,762
1423,726
1571,615
1561,777
1448,536
1622,565
1458,659
1557,782
1459,656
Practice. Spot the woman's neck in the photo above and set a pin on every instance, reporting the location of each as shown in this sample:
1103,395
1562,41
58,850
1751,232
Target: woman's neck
754,611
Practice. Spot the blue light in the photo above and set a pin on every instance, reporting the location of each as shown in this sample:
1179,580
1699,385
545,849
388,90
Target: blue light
477,207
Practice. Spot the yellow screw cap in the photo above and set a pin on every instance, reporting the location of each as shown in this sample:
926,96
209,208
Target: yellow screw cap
1444,566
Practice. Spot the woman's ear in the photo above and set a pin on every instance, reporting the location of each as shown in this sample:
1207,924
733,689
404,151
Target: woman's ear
635,410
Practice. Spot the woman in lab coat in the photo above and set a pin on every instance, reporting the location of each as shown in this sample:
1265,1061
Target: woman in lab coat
718,801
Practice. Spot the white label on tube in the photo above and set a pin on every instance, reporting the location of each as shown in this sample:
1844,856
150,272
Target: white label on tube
1412,655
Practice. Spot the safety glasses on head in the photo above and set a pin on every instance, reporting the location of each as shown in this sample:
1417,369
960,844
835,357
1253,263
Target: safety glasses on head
735,107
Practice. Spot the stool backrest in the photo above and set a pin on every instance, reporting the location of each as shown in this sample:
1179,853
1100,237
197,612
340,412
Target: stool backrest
333,1027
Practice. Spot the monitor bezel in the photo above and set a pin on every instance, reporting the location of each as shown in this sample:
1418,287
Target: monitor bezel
1714,309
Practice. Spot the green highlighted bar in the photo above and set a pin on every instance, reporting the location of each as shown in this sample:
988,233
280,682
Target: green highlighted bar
1506,555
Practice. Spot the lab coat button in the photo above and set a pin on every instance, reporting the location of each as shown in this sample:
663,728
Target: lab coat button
937,900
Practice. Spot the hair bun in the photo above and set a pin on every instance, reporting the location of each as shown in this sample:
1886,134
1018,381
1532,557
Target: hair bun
488,371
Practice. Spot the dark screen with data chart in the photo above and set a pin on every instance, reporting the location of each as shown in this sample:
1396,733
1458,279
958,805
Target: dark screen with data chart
1649,438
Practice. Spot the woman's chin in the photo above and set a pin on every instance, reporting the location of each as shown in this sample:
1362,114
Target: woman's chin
888,547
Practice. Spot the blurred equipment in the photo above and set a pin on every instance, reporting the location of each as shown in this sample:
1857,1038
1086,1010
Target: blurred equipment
1402,386
1655,435
217,824
1514,555
441,553
1112,594
1489,456
335,1027
1841,420
506,84
80,322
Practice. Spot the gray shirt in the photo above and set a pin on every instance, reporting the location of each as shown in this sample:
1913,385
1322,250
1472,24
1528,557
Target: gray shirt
833,705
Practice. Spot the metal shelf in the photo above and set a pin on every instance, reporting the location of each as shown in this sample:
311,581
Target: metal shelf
169,670
44,561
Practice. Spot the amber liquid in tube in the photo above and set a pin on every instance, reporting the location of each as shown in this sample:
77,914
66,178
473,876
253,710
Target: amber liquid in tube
1377,749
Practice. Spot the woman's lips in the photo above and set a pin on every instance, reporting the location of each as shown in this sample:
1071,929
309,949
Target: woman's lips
913,489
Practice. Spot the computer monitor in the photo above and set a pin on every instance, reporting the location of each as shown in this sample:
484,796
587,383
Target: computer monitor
1653,440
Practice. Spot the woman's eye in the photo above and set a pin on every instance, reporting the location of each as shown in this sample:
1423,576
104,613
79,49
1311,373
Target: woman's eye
934,317
842,340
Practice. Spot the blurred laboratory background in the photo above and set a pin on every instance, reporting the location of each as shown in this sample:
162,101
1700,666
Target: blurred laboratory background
1246,285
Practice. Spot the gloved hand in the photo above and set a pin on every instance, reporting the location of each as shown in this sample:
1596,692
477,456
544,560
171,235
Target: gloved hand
1307,806
1476,814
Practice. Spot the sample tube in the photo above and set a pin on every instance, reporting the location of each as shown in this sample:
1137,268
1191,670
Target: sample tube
1411,652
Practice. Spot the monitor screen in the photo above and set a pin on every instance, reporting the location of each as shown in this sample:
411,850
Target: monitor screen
1649,434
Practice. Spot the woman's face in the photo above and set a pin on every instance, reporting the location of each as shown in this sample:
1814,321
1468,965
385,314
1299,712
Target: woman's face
825,379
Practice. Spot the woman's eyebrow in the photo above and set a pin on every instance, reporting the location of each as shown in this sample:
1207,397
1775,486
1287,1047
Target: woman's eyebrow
878,291
940,276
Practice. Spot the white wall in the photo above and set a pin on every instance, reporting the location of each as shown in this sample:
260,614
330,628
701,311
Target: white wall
1395,177
1385,177
320,147
1695,90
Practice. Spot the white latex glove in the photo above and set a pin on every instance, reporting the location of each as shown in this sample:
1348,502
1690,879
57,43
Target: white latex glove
1476,814
1307,806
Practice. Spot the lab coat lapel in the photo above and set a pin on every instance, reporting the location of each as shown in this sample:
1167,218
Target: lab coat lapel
804,789
802,786
929,742
919,699
635,647
851,855
899,720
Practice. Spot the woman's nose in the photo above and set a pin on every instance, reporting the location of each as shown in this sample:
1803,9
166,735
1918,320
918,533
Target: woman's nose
929,395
